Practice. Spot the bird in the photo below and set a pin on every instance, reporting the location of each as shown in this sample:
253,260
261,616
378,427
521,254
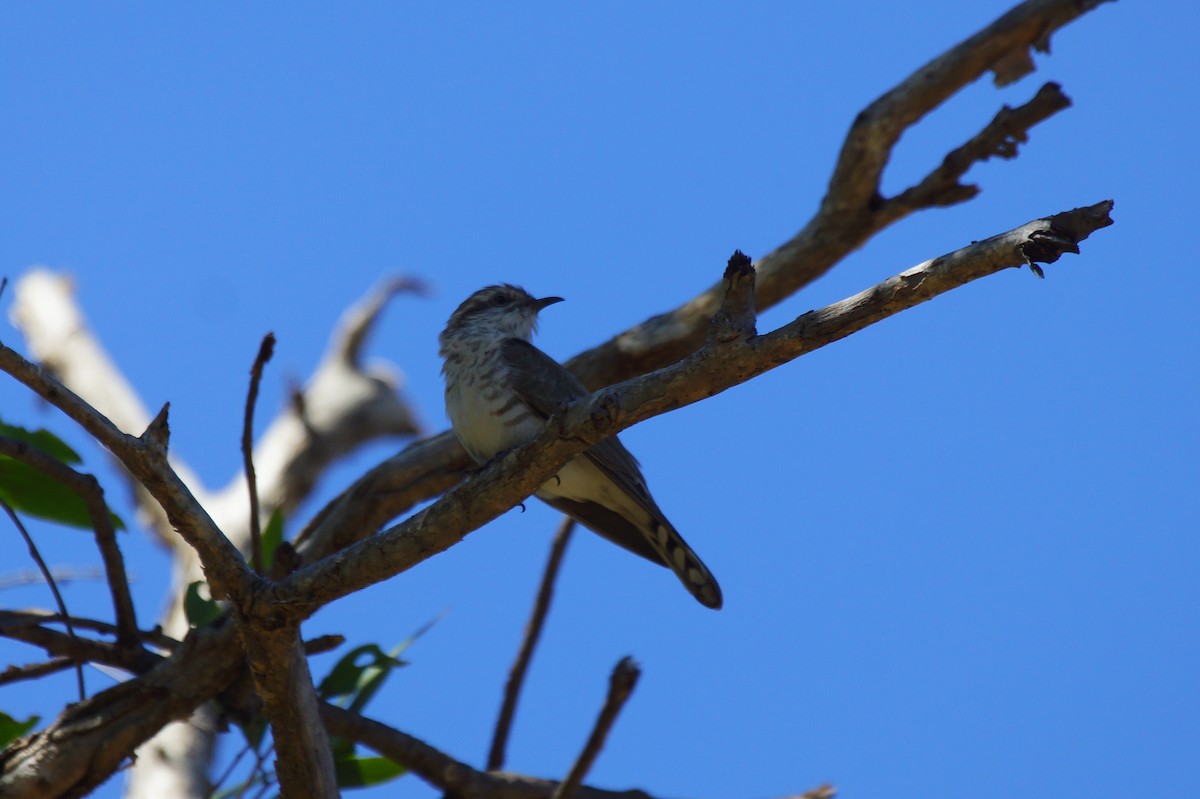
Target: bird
500,389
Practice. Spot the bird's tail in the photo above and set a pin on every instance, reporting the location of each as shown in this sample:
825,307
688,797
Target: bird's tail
686,564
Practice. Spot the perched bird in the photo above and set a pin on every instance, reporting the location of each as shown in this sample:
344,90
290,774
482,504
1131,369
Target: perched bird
500,389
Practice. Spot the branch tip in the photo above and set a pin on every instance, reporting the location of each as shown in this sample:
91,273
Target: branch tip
356,323
158,433
735,319
620,685
739,265
265,350
1000,138
1065,232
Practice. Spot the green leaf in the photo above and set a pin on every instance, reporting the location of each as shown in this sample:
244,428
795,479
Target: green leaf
29,491
200,610
44,440
33,492
349,677
272,536
363,772
357,677
11,729
374,675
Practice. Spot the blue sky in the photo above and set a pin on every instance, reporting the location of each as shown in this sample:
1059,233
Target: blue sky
959,550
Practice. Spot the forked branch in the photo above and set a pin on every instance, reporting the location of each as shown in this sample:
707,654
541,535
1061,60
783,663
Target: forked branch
508,480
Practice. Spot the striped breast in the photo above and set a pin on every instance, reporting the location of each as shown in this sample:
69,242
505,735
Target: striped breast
487,416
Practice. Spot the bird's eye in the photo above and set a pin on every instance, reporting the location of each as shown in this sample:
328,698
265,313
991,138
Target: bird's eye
500,300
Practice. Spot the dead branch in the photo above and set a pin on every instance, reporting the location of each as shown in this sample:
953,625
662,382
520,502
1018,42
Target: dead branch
226,570
91,739
265,350
533,633
460,780
852,210
34,671
850,214
348,405
213,661
847,218
10,619
508,480
78,648
444,772
620,685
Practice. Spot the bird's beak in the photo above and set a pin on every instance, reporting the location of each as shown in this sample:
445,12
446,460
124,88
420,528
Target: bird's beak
538,305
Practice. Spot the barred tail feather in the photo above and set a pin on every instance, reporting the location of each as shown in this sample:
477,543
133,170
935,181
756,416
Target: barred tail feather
686,564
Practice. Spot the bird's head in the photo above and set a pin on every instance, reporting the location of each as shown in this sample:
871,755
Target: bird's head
493,313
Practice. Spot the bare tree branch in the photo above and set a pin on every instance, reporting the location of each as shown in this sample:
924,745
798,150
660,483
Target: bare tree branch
79,649
58,337
735,319
90,740
851,213
852,210
356,324
444,772
89,490
265,349
533,633
212,661
509,479
620,685
45,570
13,619
422,470
1000,138
35,671
460,780
62,575
282,680
345,402
226,570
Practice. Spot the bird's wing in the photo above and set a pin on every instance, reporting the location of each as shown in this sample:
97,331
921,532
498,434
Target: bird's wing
545,385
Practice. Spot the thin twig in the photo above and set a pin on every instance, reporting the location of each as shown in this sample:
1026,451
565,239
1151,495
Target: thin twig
620,686
34,670
63,575
41,564
83,650
265,350
533,631
88,489
12,619
260,757
441,770
219,782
